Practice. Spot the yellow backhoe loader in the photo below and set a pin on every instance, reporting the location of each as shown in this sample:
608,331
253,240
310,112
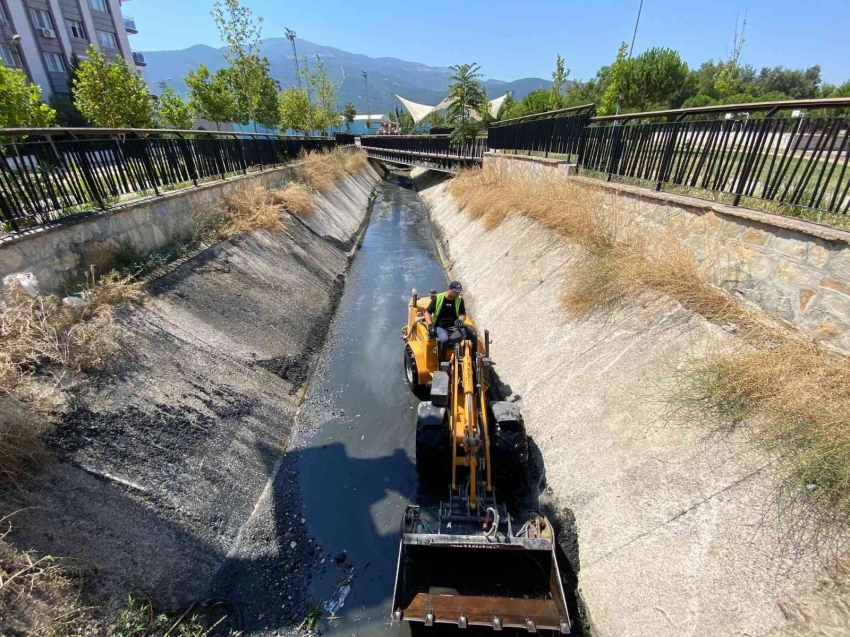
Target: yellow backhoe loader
469,562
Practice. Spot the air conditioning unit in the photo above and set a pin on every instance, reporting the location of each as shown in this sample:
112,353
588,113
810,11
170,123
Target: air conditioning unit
48,33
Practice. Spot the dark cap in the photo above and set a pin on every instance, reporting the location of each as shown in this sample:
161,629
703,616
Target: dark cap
456,286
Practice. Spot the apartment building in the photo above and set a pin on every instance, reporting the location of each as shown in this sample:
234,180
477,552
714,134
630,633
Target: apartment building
40,35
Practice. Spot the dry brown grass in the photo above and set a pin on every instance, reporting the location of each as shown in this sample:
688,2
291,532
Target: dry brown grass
296,198
321,170
793,396
37,598
249,207
40,331
621,260
794,400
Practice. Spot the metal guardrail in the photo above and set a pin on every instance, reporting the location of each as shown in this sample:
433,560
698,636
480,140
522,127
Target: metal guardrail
769,151
431,151
345,139
51,173
560,132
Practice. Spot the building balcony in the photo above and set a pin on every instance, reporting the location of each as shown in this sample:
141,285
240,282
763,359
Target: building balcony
130,25
139,58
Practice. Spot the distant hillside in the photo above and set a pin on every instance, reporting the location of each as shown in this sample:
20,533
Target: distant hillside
412,80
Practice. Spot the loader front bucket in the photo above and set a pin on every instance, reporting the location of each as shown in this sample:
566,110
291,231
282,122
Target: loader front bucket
474,580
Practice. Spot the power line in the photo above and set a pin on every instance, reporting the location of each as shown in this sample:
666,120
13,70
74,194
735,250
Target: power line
634,35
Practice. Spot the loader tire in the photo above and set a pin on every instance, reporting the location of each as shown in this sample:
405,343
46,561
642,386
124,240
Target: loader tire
411,375
510,445
432,443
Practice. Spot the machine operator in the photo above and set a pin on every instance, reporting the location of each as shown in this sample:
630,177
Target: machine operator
446,311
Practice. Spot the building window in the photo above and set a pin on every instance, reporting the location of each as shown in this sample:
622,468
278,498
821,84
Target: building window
41,19
3,15
99,5
107,40
54,62
76,29
9,56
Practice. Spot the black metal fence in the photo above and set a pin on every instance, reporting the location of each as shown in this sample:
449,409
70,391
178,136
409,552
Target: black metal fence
426,144
49,173
790,153
434,151
345,139
559,132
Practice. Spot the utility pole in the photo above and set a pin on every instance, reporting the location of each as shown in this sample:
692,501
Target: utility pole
290,35
368,119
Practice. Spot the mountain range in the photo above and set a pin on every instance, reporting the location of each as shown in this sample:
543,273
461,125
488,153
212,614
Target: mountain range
412,80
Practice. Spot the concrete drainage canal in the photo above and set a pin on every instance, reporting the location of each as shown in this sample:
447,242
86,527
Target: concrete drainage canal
199,474
337,501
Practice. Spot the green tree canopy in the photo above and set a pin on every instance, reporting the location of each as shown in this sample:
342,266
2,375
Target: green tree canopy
468,94
173,111
348,114
537,101
110,94
559,81
20,101
324,113
268,109
211,96
295,110
655,79
618,86
249,78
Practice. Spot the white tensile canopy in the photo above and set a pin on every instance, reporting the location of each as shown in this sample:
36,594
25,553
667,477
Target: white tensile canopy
420,111
417,111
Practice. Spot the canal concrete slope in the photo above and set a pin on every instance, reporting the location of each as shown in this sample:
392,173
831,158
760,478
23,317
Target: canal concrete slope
158,467
675,532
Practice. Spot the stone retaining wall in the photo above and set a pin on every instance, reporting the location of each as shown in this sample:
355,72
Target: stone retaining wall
793,269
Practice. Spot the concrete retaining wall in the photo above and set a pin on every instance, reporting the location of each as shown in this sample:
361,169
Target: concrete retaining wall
795,270
675,532
60,253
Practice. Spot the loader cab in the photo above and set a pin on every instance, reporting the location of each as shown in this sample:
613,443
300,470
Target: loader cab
421,351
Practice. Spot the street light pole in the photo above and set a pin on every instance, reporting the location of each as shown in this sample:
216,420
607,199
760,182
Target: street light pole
368,120
290,35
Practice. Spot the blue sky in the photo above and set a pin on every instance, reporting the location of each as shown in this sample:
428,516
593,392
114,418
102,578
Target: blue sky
517,39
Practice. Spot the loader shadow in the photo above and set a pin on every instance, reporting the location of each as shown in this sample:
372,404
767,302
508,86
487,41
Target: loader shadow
289,567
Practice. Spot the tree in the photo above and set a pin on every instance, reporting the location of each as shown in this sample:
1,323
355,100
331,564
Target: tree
348,114
110,94
656,78
324,113
268,109
468,95
537,101
295,110
172,111
20,101
619,83
249,72
211,96
559,81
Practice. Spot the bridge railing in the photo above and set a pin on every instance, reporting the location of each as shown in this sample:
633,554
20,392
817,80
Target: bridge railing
793,153
50,173
436,145
560,132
